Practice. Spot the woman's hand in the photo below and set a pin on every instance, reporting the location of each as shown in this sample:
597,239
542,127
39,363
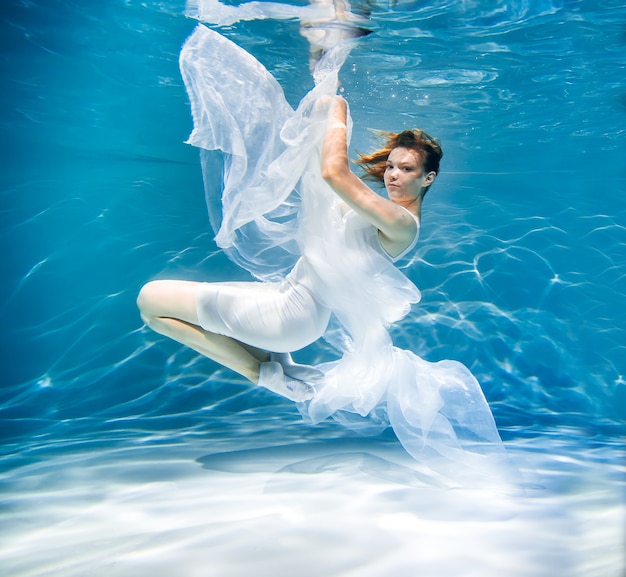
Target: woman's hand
323,102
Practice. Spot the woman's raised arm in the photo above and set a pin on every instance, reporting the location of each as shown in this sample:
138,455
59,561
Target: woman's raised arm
392,221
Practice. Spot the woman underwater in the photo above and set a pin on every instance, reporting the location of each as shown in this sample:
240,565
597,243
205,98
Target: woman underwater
322,244
236,324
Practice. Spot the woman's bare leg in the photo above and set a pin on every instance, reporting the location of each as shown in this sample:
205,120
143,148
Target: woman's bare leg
169,308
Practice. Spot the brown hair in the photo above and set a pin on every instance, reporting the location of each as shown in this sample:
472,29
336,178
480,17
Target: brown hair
427,148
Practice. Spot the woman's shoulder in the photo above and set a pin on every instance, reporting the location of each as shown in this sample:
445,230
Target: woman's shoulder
398,249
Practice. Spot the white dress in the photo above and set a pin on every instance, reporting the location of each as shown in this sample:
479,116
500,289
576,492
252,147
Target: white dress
275,216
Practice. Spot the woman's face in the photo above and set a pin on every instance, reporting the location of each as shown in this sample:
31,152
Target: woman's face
404,175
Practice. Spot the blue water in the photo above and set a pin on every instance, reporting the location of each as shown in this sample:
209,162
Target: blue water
126,454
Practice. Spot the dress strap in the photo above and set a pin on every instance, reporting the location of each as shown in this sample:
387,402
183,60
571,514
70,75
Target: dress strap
411,246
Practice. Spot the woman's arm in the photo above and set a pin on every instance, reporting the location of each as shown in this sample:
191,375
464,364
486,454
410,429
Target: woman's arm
393,222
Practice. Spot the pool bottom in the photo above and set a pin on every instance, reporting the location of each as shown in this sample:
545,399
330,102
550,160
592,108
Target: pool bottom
325,508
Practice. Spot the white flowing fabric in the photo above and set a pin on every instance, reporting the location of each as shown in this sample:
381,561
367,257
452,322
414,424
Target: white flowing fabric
272,209
216,12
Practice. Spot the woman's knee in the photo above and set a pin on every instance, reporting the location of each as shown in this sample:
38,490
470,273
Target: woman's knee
146,299
167,298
